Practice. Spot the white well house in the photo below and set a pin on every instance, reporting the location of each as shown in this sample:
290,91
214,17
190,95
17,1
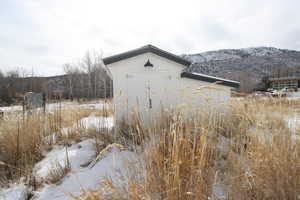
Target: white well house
148,79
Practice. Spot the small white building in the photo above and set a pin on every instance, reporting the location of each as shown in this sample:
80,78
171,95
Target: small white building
147,79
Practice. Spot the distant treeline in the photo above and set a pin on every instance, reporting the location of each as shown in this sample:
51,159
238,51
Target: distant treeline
88,79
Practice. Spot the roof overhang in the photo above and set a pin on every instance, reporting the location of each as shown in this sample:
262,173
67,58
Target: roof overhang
146,49
210,79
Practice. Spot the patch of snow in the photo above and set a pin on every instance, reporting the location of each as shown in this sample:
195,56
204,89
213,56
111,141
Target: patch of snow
223,145
90,122
97,122
226,54
95,104
51,106
293,122
219,191
14,192
215,55
50,139
10,108
78,154
195,58
115,165
261,51
293,95
90,104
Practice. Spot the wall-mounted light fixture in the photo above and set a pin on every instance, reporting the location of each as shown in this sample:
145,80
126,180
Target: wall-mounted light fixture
148,64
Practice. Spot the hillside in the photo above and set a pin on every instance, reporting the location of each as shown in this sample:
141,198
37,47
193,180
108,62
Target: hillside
246,65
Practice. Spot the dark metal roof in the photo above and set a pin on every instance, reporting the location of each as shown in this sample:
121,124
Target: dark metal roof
145,49
210,79
173,57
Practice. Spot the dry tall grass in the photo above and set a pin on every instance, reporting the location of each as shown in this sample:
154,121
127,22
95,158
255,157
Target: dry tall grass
268,170
23,138
183,157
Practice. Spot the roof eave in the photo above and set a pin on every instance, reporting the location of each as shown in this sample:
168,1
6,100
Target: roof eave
210,80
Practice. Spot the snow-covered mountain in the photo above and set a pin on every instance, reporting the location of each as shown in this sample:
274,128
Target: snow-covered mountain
238,64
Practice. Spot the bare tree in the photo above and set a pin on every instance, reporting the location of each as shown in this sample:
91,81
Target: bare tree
69,71
89,78
87,66
97,75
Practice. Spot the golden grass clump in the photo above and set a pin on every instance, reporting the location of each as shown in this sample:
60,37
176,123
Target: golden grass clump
269,170
182,158
179,165
21,144
178,162
23,137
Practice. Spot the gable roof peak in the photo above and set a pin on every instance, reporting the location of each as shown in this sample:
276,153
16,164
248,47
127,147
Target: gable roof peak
146,49
150,46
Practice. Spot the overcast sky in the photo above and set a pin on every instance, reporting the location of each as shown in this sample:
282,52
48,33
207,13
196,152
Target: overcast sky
44,34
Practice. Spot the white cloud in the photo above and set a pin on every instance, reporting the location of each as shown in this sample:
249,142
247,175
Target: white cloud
45,34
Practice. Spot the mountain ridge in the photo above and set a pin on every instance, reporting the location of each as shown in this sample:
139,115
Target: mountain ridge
249,51
248,65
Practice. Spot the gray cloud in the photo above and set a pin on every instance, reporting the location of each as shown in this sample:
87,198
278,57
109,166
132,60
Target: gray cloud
43,35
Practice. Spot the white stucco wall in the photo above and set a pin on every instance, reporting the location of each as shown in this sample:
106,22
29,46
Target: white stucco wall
131,81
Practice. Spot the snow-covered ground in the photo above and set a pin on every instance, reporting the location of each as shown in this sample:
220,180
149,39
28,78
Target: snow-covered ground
10,108
97,122
14,192
293,95
114,164
78,154
91,122
82,175
90,104
293,122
